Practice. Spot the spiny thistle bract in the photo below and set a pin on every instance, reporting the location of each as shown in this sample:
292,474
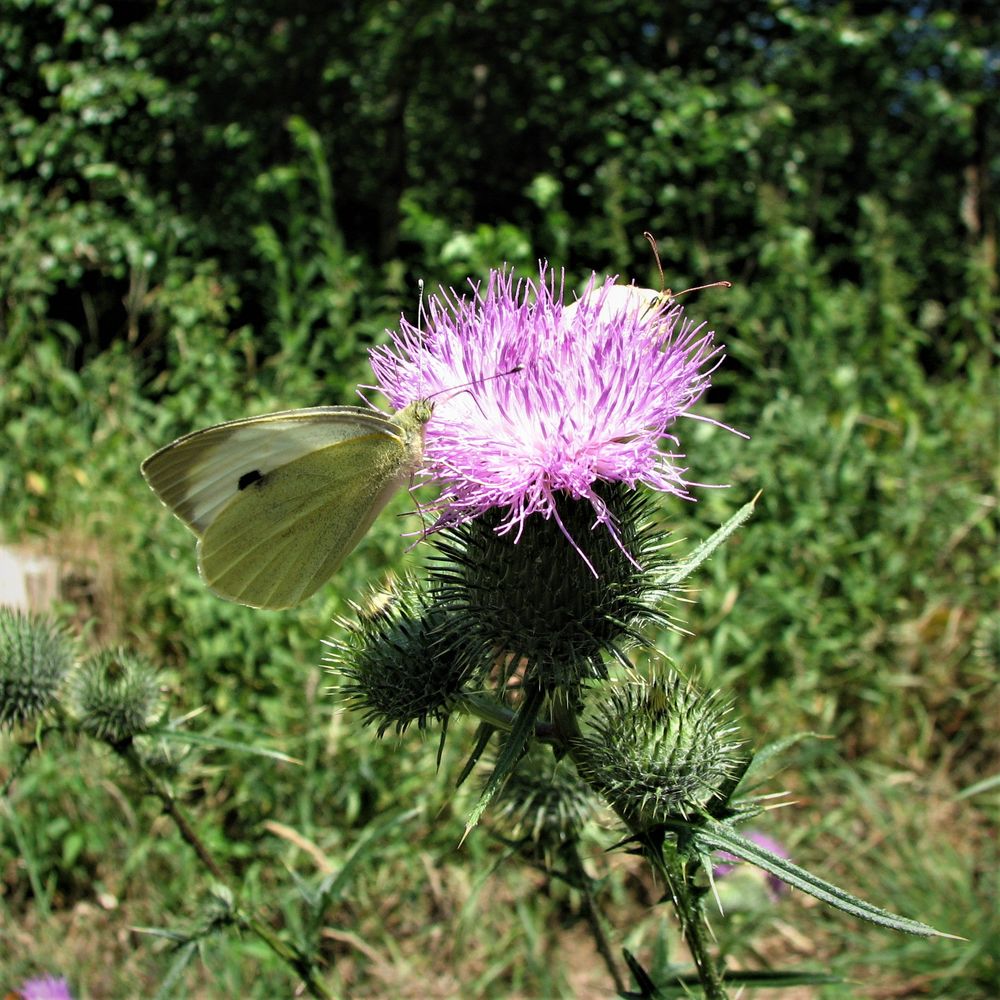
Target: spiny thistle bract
115,695
35,656
401,663
535,600
658,749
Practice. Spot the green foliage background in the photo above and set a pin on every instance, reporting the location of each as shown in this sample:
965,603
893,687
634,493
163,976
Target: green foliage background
210,209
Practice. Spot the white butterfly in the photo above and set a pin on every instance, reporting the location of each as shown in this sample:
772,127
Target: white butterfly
277,502
624,300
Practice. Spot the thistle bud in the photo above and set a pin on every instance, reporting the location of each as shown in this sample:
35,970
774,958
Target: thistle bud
544,803
115,695
35,656
402,663
658,749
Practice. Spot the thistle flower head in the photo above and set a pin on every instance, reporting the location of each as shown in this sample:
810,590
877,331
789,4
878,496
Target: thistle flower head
555,403
115,695
659,749
45,988
35,655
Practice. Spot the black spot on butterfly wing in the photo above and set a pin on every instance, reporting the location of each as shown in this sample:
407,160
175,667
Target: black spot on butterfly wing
249,478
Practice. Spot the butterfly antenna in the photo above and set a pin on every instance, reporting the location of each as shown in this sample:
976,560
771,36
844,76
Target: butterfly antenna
420,305
467,386
671,295
701,288
651,240
421,323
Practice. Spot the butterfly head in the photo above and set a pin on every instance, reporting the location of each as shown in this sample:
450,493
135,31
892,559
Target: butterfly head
421,410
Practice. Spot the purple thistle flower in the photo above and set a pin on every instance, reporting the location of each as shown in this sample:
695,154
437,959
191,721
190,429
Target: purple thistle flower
728,862
593,395
45,988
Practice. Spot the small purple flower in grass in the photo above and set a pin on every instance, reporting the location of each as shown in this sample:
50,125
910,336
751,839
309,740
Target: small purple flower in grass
728,862
591,398
45,988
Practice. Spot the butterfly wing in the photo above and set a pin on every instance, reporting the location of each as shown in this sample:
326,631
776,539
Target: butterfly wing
198,474
283,535
278,501
618,300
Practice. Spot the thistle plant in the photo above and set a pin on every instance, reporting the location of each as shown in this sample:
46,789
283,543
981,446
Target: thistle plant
44,988
113,696
555,432
554,438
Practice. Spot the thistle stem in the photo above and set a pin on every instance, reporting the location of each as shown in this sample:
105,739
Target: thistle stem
27,750
677,872
592,912
567,730
301,964
172,808
564,721
687,903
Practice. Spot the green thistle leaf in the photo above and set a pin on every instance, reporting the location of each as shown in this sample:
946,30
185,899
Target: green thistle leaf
711,835
483,734
514,748
683,569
